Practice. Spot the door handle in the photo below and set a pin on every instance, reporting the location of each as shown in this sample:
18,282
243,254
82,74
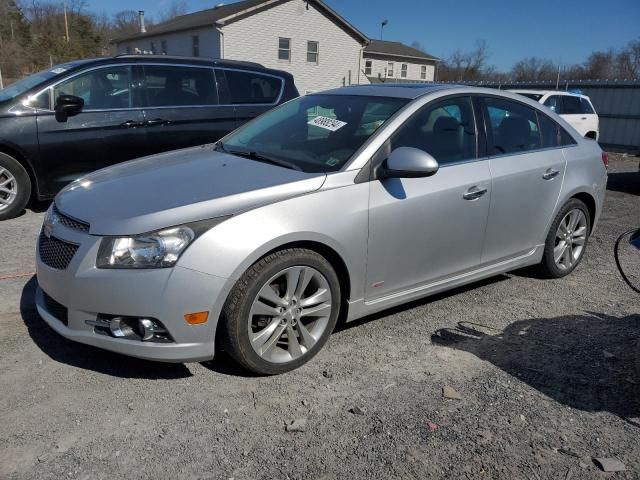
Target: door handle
131,124
550,174
583,118
474,193
156,121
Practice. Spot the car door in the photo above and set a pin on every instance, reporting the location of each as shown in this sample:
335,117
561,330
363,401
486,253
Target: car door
251,93
527,173
589,118
425,229
182,107
108,130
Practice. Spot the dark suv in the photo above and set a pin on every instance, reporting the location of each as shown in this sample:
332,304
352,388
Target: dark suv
62,123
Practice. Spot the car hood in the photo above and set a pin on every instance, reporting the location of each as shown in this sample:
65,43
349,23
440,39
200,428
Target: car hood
178,187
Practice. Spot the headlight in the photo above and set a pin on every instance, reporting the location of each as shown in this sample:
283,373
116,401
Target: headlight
157,249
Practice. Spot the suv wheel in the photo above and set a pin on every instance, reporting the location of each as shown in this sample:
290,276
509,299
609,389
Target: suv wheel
15,187
281,312
567,240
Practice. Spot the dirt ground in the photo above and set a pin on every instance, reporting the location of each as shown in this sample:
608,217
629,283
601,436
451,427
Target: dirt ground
544,370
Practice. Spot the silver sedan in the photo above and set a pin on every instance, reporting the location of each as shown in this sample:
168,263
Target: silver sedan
333,205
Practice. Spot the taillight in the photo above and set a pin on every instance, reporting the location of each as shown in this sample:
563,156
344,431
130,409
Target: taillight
605,159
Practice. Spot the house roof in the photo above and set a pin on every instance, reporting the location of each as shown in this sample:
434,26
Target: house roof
397,49
230,12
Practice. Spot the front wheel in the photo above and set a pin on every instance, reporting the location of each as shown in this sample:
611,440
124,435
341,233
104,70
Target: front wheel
567,240
15,187
281,312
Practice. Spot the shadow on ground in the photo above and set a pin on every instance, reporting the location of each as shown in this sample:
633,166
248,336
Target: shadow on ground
625,182
79,355
589,362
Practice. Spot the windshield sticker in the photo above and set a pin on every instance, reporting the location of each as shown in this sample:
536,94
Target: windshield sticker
58,70
327,123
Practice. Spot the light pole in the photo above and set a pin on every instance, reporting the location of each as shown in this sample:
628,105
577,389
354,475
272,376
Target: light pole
382,25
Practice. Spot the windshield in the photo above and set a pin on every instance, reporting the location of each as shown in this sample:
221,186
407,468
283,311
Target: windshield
314,133
18,88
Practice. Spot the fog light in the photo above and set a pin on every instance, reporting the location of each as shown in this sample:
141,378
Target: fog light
146,329
121,329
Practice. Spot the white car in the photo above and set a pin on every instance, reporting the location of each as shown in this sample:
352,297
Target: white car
576,109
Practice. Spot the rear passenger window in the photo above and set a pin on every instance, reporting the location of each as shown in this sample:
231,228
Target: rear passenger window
553,135
553,102
571,105
446,130
586,106
514,127
252,88
169,86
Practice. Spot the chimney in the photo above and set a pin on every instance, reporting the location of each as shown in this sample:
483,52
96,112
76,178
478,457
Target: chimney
141,18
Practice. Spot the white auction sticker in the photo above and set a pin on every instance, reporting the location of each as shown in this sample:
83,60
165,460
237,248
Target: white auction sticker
327,123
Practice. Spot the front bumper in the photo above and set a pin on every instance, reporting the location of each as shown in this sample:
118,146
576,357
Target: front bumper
165,294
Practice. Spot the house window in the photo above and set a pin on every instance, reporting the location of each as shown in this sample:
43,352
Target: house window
390,69
284,49
163,47
153,48
423,72
403,70
196,45
367,67
312,52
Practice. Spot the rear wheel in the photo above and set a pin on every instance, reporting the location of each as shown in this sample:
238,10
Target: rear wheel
281,312
567,240
15,187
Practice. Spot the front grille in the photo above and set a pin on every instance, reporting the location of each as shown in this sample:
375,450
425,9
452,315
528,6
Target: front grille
57,310
70,222
54,252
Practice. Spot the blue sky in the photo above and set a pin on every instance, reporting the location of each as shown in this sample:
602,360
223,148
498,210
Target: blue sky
564,31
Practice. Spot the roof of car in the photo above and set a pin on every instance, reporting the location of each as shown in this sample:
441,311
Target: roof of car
174,59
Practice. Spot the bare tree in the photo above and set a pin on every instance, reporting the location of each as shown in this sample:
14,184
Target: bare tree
534,69
470,65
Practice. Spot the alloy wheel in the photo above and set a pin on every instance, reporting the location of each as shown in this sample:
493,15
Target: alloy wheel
289,314
571,237
8,188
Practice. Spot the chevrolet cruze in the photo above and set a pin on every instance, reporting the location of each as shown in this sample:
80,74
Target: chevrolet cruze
337,204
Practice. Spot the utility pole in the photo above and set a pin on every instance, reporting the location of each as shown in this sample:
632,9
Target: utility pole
11,26
1,82
382,25
66,23
558,77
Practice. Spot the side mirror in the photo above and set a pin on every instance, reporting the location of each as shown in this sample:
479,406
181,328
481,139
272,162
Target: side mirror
408,162
68,106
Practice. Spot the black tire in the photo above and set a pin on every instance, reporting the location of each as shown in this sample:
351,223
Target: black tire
234,335
23,182
548,268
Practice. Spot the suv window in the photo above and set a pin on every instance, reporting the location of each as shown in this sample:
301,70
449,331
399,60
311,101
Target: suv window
554,103
172,86
445,129
571,105
105,88
586,106
251,87
514,126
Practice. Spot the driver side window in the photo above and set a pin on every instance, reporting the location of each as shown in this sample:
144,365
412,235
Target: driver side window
106,88
446,130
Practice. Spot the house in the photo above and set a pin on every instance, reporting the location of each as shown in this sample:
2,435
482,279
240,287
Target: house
304,37
394,61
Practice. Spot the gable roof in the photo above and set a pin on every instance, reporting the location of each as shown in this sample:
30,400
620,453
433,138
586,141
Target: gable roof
396,49
231,12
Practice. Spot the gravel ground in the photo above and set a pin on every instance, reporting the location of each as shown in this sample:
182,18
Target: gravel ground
544,370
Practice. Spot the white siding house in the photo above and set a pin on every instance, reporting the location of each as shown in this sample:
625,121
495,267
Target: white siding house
303,37
393,61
